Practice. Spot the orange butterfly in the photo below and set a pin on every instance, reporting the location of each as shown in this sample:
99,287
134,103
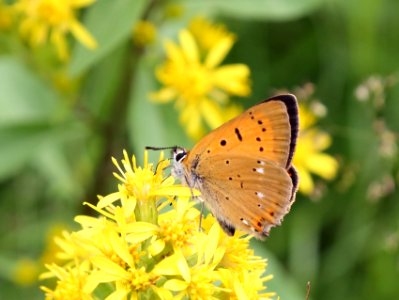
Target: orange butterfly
243,168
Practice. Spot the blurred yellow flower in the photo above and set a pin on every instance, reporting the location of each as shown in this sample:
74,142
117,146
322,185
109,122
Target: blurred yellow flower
53,20
125,254
6,16
26,271
196,81
49,254
173,10
144,33
309,157
208,34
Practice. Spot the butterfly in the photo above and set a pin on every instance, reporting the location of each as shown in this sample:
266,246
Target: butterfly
243,168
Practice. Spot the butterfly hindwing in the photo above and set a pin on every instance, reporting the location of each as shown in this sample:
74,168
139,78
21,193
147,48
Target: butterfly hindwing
248,193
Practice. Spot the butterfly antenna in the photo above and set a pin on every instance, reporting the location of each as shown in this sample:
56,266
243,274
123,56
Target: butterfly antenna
160,148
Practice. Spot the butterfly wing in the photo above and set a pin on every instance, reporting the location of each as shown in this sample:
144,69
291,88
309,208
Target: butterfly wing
268,129
246,192
243,168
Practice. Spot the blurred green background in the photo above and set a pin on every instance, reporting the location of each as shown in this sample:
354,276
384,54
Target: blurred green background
60,122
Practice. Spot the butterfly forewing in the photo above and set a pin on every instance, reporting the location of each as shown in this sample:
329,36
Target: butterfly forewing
268,130
249,193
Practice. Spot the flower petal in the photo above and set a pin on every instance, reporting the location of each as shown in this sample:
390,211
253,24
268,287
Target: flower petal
164,95
109,199
163,293
189,46
174,53
82,35
156,247
212,242
306,184
323,165
219,52
140,231
211,112
239,290
233,79
121,248
119,294
58,39
109,269
167,266
175,285
183,266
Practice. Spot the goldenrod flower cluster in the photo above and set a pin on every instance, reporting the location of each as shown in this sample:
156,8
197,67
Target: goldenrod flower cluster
193,77
146,244
53,20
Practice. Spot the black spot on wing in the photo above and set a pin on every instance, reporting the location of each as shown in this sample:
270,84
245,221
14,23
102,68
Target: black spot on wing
238,134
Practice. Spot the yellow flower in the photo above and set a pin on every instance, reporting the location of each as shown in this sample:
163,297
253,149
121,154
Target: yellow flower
160,254
144,33
246,284
309,157
142,186
208,34
198,279
70,282
178,226
53,19
123,267
198,84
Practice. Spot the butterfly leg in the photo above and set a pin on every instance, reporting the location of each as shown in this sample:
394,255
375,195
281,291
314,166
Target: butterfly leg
201,214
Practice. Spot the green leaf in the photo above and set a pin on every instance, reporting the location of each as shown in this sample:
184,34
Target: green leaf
23,97
277,10
102,84
20,144
111,23
52,163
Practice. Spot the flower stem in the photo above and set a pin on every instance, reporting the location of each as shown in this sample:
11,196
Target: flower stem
146,211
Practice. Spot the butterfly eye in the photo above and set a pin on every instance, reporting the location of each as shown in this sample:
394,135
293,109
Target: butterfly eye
180,156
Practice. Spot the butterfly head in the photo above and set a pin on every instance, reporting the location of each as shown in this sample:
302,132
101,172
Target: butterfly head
179,155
